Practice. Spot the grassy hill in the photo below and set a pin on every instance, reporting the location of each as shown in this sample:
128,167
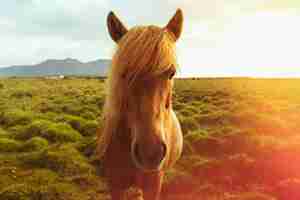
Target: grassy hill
241,140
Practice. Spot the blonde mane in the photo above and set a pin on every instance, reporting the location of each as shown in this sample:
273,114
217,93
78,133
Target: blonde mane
145,51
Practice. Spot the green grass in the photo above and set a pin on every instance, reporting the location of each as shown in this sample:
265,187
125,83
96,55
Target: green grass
63,159
241,139
3,133
9,145
34,144
15,117
54,132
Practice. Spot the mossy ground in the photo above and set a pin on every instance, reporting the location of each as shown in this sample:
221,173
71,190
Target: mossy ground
241,139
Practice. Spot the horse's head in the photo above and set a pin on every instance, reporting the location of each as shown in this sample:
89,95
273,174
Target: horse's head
141,77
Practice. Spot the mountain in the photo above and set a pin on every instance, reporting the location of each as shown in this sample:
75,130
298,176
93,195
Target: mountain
66,66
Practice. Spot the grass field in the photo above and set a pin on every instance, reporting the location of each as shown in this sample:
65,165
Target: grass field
241,140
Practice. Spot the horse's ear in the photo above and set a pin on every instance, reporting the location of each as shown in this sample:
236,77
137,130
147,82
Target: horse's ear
115,27
175,24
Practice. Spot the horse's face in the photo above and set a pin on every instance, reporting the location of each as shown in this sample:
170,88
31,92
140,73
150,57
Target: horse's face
148,104
149,117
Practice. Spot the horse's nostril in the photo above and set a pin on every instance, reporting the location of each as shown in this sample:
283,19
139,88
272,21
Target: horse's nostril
163,151
137,154
157,153
150,156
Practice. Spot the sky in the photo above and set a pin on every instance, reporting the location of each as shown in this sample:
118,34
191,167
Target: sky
259,38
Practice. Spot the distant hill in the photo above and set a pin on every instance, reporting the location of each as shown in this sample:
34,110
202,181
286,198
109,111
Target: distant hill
65,67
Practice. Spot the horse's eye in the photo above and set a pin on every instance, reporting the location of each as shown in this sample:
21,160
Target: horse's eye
168,102
172,74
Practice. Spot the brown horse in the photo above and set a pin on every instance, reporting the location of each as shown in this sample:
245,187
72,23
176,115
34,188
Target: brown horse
141,136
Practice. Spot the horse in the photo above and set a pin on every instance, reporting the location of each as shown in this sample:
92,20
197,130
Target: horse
141,136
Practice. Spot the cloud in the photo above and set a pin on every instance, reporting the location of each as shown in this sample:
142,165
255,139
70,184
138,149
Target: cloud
31,30
58,17
280,5
259,44
219,38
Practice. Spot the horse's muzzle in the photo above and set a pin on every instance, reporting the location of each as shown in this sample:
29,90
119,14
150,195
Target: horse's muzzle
149,158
